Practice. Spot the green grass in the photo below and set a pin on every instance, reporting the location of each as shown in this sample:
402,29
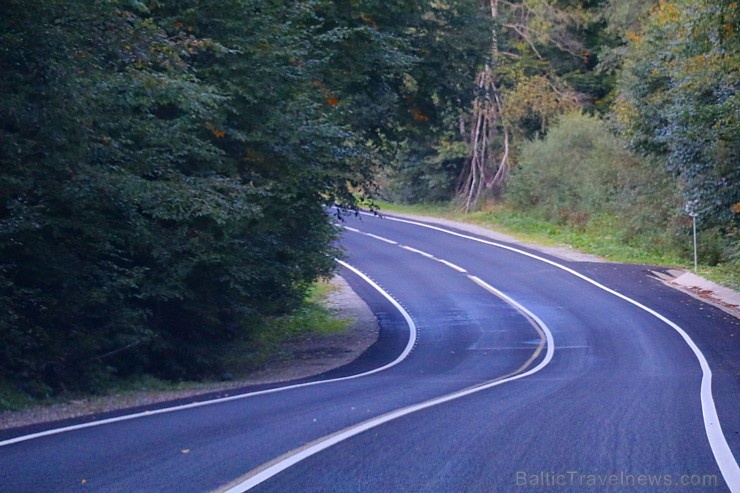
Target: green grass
313,319
600,236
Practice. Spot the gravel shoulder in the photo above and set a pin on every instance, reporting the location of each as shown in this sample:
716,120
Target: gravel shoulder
303,357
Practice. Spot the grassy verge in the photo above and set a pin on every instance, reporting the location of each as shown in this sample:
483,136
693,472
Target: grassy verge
313,319
599,237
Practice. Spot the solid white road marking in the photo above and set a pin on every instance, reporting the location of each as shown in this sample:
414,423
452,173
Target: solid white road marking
409,346
267,471
720,448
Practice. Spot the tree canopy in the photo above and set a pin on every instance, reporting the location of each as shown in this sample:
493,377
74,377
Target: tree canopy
678,99
165,171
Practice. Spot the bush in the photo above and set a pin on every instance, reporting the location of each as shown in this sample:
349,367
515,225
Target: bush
582,173
572,174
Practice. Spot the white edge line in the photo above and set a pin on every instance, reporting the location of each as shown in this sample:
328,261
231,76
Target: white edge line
334,439
720,448
409,347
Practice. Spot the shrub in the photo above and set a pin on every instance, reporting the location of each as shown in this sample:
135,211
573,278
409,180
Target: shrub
572,174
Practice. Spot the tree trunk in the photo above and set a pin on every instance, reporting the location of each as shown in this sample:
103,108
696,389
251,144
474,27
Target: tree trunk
488,165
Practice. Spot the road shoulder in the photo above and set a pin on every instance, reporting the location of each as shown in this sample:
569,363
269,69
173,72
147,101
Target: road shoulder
304,357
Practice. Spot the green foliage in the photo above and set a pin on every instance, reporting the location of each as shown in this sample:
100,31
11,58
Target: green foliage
583,177
164,173
625,16
451,40
544,60
13,399
572,174
311,319
678,101
424,171
675,105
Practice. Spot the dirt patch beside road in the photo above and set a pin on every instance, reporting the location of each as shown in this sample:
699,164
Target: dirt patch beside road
302,357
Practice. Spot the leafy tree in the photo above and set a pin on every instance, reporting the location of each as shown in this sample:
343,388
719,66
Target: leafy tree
112,188
165,170
678,101
449,40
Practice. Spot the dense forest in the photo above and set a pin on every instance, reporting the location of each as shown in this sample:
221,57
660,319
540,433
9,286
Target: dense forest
166,165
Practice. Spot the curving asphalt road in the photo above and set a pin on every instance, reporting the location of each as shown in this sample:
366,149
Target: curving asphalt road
504,370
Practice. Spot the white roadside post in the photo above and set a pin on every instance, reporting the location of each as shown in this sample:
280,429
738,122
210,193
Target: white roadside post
691,211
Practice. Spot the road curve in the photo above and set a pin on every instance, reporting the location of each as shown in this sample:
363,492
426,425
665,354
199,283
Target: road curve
505,372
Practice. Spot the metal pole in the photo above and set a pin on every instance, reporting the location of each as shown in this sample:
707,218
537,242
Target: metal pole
696,264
